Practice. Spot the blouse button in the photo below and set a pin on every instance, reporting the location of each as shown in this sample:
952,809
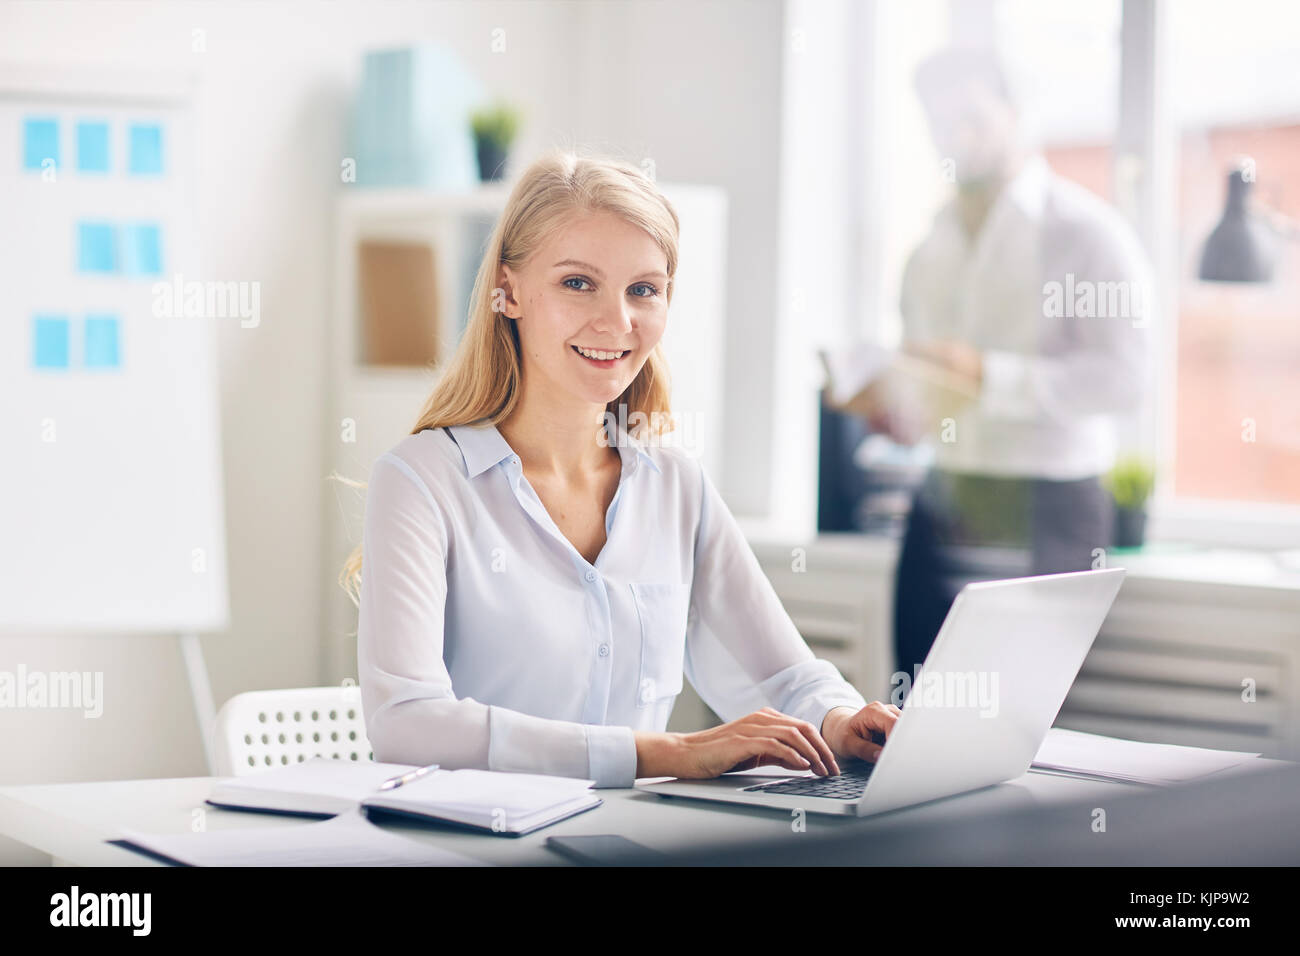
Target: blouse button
604,650
591,575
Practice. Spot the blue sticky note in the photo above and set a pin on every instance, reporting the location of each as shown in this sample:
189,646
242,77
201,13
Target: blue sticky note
40,142
92,147
101,343
145,143
143,250
96,247
50,341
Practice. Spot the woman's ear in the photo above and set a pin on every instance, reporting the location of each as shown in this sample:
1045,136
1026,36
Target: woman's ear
503,296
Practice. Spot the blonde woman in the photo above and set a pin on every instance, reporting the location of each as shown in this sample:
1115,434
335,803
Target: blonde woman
537,574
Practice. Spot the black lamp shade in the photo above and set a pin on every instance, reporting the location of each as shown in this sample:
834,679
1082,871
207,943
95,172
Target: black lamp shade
1240,247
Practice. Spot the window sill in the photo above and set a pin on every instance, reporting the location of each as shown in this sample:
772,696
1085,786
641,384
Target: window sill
1228,524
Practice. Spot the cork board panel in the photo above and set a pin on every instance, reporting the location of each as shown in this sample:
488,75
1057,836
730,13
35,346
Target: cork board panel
399,303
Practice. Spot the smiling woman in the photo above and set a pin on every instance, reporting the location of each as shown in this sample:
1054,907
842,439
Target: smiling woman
538,578
608,317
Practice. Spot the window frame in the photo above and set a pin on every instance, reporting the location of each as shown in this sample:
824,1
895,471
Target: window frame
1147,177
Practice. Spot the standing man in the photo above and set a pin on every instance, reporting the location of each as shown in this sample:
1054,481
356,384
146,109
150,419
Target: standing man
996,293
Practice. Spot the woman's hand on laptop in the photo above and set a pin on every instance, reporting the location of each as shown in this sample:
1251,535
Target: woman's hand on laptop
766,737
849,731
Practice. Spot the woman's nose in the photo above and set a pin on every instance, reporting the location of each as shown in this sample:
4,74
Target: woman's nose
614,318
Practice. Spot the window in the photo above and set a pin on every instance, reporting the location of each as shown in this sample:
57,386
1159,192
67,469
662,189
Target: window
1235,97
1061,59
1224,429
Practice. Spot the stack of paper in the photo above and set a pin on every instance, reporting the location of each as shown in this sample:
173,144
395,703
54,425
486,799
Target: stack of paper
1107,758
347,840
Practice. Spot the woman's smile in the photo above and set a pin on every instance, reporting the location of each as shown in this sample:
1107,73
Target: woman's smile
601,358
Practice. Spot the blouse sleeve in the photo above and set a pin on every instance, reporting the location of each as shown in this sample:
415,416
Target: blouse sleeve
412,713
742,650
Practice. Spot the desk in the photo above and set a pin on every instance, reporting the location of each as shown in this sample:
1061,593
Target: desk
71,821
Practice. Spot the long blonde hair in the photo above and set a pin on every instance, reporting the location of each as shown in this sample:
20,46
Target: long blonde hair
482,378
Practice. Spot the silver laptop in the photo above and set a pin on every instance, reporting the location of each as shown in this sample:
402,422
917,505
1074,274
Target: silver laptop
975,714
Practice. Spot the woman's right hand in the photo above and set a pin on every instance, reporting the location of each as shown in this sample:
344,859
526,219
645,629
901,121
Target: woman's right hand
764,738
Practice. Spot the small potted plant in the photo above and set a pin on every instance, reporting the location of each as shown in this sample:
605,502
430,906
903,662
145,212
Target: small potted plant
494,130
1130,483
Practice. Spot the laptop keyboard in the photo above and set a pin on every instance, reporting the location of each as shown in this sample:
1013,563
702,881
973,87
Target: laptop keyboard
849,785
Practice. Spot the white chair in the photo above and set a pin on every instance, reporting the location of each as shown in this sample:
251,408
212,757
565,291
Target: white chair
264,729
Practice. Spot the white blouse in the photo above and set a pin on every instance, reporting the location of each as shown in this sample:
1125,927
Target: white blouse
486,640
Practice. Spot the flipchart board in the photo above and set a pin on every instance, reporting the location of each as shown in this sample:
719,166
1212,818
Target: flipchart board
110,494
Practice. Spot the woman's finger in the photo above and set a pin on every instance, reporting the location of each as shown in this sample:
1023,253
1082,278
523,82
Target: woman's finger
773,751
753,752
880,717
820,750
863,749
796,738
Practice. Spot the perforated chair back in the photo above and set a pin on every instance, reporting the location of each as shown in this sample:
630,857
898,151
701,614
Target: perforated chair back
264,729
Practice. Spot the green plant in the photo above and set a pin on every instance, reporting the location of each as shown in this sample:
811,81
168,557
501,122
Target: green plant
495,124
1131,481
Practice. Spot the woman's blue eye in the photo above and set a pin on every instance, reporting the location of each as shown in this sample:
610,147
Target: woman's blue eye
640,285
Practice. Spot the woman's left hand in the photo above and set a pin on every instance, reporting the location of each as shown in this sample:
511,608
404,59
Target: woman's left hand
848,731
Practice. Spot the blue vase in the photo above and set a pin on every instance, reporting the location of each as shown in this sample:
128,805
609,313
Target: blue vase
411,122
491,161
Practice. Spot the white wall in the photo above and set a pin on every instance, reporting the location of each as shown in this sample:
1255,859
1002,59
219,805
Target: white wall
693,85
696,86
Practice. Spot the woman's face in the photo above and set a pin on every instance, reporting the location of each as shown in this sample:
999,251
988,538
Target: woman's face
597,284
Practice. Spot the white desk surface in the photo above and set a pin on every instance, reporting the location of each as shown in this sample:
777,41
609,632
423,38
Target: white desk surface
71,821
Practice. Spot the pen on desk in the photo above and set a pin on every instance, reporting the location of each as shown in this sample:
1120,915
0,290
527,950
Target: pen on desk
415,774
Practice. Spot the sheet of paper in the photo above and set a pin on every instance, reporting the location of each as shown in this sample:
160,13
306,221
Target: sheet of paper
850,370
1160,764
343,779
348,839
485,791
908,395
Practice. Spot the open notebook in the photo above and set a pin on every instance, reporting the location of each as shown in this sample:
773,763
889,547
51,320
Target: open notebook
508,804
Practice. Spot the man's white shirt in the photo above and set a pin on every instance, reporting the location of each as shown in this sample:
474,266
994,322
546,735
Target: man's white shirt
1054,384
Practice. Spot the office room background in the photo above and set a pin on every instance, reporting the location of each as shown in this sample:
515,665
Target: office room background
266,145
